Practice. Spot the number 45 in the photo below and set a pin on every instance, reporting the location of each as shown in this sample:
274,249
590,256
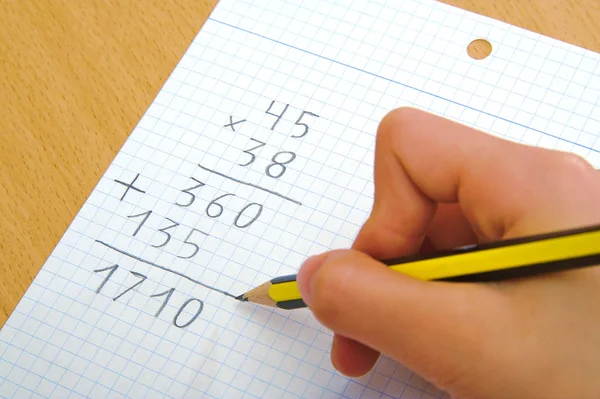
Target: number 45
298,122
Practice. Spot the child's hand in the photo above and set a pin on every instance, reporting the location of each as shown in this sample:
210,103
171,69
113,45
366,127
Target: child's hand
440,184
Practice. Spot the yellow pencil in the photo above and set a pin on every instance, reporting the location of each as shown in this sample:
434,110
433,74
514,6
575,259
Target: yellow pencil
498,261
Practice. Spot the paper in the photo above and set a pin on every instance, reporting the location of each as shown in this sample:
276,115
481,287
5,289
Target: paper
257,152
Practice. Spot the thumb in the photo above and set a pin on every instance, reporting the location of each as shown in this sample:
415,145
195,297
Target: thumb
433,328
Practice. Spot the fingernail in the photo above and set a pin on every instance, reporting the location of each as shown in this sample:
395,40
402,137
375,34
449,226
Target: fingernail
309,269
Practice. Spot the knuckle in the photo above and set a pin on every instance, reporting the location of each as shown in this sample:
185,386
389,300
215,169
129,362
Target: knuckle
397,118
574,169
573,163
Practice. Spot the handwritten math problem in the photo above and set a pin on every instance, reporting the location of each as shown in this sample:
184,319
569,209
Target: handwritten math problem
173,233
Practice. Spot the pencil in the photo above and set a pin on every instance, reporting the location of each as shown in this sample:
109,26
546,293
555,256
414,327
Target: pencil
488,262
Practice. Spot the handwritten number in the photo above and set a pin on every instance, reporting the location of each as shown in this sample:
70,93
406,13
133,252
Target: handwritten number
192,195
168,294
281,164
164,231
108,276
176,318
215,203
258,212
278,116
303,124
138,275
146,216
252,156
188,242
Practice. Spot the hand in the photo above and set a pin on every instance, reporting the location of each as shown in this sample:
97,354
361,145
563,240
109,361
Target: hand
440,184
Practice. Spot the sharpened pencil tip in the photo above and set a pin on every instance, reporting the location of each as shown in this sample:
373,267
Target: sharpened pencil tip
241,298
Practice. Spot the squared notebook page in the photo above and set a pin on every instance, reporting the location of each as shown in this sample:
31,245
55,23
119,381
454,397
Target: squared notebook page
257,152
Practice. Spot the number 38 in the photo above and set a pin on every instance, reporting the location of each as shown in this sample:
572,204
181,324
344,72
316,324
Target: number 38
277,167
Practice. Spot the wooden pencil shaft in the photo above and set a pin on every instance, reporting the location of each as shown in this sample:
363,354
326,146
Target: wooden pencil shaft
491,245
524,258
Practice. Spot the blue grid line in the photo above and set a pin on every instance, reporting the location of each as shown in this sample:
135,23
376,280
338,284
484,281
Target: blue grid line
253,377
271,344
445,85
464,15
408,86
42,378
161,337
433,80
231,84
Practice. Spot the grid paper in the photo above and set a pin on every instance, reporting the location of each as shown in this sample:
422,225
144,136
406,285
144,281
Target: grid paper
339,67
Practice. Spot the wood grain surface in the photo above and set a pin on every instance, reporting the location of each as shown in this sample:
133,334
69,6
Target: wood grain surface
78,75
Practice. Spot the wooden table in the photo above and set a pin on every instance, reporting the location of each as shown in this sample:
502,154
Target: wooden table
78,75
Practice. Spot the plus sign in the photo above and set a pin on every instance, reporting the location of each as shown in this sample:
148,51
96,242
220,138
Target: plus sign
129,186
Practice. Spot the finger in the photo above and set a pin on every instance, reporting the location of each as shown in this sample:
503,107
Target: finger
430,327
503,188
351,357
448,229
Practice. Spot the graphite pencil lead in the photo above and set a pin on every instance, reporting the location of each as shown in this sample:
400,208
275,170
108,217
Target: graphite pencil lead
241,298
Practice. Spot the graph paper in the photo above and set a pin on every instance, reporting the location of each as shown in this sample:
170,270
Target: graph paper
256,153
